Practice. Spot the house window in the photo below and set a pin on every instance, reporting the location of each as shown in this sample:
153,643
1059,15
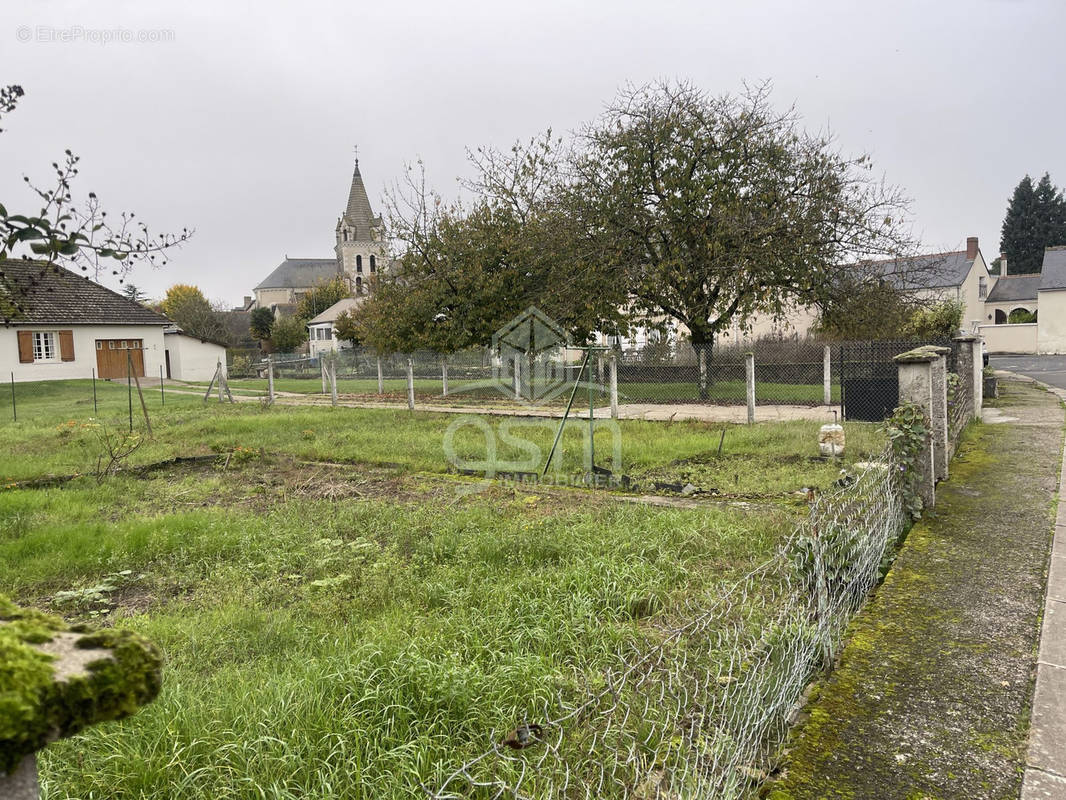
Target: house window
99,344
373,264
44,346
982,288
327,333
358,263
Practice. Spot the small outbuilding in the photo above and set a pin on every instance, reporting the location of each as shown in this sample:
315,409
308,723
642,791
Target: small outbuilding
191,358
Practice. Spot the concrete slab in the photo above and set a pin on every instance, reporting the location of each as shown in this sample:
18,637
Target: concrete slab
1038,785
1056,580
1053,635
1047,737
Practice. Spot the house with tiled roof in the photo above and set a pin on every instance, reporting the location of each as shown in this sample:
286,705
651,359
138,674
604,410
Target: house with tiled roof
1027,313
60,325
359,253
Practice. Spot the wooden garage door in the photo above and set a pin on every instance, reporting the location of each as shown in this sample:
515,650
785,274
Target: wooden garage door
111,357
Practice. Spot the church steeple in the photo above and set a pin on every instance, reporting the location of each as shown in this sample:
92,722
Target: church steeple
358,215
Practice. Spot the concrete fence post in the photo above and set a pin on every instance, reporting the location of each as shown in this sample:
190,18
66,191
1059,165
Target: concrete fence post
941,449
444,376
969,378
517,375
977,349
410,384
916,386
612,375
325,379
270,378
749,374
381,378
333,380
827,376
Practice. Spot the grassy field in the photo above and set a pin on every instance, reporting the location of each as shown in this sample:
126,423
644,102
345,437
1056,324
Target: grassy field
341,616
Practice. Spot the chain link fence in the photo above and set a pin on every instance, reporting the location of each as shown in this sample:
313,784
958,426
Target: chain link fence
703,707
860,378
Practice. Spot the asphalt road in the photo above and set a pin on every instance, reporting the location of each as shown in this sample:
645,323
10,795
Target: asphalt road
1049,369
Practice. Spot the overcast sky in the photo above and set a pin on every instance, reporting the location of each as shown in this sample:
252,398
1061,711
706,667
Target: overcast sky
241,122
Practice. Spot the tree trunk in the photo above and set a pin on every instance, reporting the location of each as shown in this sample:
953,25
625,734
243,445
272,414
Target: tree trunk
704,354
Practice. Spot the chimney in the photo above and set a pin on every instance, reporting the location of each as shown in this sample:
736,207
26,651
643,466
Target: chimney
971,248
1002,264
247,301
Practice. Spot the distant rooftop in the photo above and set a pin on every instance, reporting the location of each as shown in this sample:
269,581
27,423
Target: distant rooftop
932,271
301,273
1011,288
1053,271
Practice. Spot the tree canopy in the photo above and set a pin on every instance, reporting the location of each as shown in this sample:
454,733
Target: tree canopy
187,307
1035,219
673,205
321,297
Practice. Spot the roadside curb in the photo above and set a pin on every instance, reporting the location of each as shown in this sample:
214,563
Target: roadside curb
1045,762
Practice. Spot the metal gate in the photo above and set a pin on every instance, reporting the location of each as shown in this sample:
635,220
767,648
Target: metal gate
869,378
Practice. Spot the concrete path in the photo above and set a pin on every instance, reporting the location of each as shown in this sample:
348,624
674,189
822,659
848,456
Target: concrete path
933,692
645,411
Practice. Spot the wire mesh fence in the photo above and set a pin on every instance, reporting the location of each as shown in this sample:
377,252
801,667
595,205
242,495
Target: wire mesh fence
703,711
859,377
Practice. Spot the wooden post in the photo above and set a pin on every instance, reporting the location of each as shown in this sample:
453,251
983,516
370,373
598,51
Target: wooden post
827,377
381,378
749,373
410,384
162,394
94,391
14,411
129,384
218,371
140,394
270,379
612,366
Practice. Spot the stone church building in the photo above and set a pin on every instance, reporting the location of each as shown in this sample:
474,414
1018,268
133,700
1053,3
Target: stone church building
359,254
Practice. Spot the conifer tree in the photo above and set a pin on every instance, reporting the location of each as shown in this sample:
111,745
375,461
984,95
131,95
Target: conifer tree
1036,218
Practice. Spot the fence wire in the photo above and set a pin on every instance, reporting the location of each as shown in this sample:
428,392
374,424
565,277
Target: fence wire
703,711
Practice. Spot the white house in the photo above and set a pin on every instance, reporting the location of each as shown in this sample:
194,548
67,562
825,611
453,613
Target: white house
1042,294
321,333
191,358
70,327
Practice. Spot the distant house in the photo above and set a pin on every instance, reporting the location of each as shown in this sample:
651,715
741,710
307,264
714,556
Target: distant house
321,333
1043,294
73,328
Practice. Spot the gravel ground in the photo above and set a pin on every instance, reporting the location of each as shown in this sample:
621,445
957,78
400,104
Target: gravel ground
932,695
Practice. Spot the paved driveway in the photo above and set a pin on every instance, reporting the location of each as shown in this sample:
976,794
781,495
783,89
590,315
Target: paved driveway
1049,369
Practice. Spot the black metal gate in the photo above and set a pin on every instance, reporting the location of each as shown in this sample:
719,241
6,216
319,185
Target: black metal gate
869,378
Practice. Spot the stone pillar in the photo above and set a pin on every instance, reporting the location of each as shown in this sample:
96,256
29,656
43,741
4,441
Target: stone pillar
916,386
939,417
969,379
978,358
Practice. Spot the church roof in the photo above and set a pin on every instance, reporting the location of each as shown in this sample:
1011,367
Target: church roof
300,273
358,213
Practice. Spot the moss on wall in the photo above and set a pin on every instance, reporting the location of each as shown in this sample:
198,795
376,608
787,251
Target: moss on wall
36,707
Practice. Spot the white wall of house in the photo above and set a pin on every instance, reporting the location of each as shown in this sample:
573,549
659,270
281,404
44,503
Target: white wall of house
1006,338
1051,321
974,289
321,338
84,340
192,359
1006,307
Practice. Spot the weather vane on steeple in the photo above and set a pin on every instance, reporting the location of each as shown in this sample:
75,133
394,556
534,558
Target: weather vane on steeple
356,149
